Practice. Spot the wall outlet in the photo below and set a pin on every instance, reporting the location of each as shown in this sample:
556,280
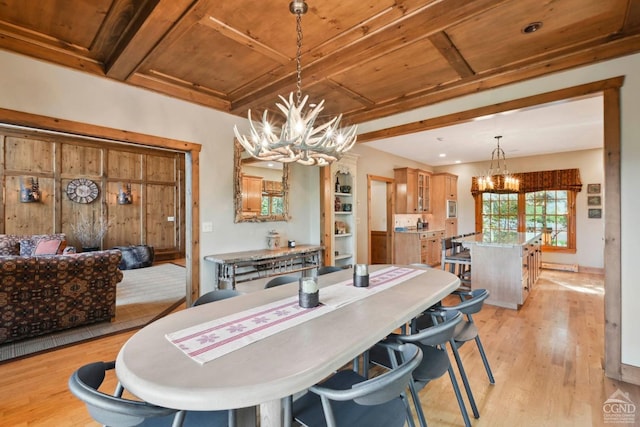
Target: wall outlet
171,218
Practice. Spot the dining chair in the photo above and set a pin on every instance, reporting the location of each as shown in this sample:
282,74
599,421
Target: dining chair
215,295
326,269
349,399
435,359
116,411
280,280
471,303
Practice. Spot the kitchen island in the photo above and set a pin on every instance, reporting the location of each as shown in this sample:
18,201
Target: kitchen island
505,263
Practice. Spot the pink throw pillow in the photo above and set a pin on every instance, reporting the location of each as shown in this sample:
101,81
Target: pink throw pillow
48,247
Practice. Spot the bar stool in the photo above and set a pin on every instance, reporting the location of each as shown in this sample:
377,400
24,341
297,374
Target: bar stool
456,259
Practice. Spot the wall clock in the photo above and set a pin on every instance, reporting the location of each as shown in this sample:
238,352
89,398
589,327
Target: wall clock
82,190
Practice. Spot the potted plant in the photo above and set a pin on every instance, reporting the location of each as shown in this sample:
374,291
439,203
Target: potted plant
90,231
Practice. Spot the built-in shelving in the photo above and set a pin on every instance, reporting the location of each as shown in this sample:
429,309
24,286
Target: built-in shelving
339,206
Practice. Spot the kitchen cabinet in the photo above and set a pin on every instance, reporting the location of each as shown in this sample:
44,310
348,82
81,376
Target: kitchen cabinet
413,190
251,194
450,227
338,201
417,247
444,203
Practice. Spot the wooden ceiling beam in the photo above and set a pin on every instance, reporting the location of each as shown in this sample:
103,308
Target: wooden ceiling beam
466,116
447,49
196,95
150,24
610,50
632,17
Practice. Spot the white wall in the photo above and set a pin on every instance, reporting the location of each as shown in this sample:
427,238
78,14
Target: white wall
629,67
40,88
590,232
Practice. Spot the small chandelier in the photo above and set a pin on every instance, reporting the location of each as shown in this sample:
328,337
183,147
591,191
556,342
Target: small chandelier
297,140
498,179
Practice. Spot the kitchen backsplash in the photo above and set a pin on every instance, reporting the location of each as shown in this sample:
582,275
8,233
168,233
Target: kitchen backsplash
409,220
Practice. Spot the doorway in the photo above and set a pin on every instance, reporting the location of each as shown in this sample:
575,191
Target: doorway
380,208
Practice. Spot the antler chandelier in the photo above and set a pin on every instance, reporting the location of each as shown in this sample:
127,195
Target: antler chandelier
498,179
297,140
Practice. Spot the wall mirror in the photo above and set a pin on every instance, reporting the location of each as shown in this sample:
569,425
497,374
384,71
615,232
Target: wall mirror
261,189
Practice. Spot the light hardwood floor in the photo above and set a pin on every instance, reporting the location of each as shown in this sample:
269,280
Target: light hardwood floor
546,359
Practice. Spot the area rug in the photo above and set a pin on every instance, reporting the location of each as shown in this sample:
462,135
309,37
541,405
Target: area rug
142,296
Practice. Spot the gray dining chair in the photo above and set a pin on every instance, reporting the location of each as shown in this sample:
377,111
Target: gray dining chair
280,280
215,295
116,411
471,303
326,269
435,360
349,399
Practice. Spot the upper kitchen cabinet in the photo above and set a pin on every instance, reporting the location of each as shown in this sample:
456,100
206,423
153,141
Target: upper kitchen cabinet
444,203
413,191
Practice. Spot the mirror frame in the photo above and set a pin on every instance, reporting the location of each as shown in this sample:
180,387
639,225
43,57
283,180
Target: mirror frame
237,190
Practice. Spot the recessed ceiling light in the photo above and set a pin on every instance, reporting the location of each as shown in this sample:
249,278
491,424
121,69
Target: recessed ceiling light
458,161
442,155
532,27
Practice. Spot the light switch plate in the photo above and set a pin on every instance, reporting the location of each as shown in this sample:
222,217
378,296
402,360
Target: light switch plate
207,227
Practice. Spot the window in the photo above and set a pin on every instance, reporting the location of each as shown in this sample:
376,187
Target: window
499,212
272,204
549,212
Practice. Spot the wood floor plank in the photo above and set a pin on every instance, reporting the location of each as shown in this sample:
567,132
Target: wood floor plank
547,359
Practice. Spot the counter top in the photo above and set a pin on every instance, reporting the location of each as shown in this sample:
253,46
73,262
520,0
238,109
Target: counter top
502,238
416,231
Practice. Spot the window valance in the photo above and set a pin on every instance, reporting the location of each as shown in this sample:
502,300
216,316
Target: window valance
562,179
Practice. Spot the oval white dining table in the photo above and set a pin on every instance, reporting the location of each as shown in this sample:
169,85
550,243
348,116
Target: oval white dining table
152,368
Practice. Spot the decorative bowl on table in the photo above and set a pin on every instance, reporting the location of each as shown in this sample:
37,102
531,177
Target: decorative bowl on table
345,189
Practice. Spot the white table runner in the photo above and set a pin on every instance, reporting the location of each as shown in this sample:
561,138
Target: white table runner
213,339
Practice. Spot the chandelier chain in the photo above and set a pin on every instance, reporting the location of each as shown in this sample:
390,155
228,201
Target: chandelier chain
298,57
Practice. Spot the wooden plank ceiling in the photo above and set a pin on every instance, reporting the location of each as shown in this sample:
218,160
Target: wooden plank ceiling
366,58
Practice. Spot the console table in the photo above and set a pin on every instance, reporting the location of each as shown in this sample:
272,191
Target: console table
236,267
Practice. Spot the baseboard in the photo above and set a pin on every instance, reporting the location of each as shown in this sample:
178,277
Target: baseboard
561,267
630,374
591,270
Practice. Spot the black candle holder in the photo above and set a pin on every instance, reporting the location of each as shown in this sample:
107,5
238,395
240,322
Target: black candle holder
308,292
361,275
360,281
